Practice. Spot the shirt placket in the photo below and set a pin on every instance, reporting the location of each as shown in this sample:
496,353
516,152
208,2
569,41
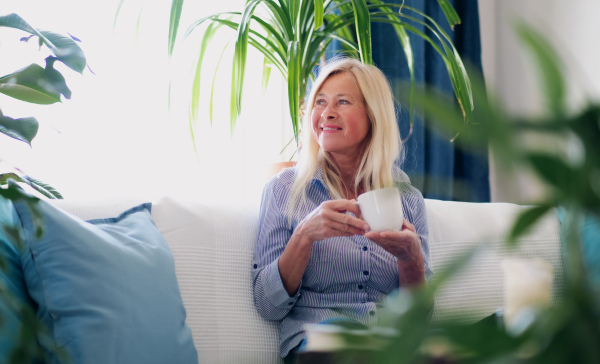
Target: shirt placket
365,276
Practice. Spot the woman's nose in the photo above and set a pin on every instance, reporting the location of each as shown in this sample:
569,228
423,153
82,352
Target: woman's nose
329,113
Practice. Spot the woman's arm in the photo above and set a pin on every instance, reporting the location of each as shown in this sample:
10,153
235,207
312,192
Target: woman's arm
326,221
281,255
405,245
410,245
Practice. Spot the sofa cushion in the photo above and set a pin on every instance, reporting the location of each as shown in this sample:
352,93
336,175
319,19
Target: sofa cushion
213,245
106,288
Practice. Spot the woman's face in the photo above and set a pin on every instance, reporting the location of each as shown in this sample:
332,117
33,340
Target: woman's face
339,118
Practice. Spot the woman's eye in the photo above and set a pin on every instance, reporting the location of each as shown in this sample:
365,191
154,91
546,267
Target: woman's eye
343,102
319,102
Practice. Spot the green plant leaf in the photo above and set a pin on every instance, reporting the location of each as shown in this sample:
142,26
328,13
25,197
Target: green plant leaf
14,193
281,19
294,11
117,13
318,13
24,129
138,23
456,69
239,61
33,84
64,48
43,188
255,39
553,170
449,12
363,30
266,74
294,84
195,97
176,7
16,22
525,220
548,66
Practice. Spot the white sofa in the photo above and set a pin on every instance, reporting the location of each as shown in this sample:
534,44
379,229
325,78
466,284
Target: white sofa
213,246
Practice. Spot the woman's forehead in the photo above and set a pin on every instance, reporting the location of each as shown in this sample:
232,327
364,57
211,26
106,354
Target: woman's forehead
345,82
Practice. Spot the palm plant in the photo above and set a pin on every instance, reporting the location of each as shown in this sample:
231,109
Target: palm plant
293,36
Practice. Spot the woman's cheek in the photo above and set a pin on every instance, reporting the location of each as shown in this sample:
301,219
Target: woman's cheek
315,125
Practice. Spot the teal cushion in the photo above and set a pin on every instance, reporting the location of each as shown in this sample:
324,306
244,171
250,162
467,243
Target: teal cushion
14,297
107,288
589,228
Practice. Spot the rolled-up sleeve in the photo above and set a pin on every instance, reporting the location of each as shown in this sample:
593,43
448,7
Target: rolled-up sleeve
270,297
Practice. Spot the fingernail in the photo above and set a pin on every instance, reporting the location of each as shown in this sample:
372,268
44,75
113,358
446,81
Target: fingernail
365,227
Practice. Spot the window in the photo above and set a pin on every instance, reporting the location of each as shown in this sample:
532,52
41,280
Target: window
117,135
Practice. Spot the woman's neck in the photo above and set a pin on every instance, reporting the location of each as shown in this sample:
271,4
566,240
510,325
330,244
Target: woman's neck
348,171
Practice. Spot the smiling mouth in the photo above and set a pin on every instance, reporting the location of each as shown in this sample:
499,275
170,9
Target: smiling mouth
326,128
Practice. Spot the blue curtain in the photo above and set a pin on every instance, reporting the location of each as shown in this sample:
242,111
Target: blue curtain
439,168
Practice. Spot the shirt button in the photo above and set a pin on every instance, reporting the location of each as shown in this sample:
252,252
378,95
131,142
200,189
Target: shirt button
360,286
366,272
290,303
365,248
255,266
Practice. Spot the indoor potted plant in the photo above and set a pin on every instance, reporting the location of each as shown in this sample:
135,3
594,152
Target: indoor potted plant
293,36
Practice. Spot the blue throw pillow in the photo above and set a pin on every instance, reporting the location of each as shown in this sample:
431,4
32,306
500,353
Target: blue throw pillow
589,229
106,288
14,298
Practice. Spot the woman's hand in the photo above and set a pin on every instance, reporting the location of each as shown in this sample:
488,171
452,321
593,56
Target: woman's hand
406,246
330,219
326,221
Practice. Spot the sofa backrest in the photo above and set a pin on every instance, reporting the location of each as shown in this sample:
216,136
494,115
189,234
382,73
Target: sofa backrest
213,245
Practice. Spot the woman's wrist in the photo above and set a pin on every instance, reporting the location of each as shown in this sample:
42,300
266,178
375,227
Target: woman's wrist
411,266
301,237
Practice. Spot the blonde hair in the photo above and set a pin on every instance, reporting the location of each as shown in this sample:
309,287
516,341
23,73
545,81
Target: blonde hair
381,148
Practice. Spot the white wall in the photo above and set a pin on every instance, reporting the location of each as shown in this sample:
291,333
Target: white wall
573,28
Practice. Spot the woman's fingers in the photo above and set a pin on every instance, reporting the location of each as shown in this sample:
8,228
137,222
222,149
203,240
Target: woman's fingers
330,219
343,206
398,243
336,211
407,225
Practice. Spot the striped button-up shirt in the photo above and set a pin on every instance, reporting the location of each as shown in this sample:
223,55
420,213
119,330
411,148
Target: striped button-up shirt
345,276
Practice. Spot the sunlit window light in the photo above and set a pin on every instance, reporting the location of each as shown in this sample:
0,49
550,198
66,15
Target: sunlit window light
117,136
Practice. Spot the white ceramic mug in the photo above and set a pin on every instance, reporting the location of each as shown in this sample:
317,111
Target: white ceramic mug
382,209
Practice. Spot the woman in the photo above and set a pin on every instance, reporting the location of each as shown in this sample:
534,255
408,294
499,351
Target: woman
315,257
